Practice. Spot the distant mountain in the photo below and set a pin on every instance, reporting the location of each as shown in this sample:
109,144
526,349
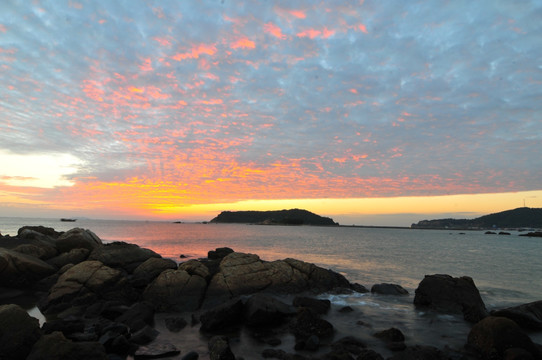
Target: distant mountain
278,217
523,217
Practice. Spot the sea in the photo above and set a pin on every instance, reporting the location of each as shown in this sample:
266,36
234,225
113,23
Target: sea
506,269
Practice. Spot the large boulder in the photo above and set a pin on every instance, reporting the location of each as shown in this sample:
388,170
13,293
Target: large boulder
224,316
447,294
20,270
48,231
176,290
265,310
528,316
55,346
78,238
123,255
388,289
18,332
195,267
83,284
241,274
494,337
150,269
74,256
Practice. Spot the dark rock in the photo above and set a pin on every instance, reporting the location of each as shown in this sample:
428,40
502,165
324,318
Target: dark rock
18,332
490,233
312,343
175,324
280,354
42,251
359,288
444,293
307,324
393,338
74,256
533,234
176,290
388,289
78,238
156,350
55,346
222,316
48,231
137,316
194,267
349,344
368,354
144,336
265,310
122,255
192,355
150,269
504,233
67,327
315,305
419,352
492,336
346,309
219,253
528,316
219,348
20,270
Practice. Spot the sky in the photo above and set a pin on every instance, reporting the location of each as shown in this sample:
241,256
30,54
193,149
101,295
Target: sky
371,112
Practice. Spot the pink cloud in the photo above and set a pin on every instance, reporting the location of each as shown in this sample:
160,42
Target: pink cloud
243,43
274,30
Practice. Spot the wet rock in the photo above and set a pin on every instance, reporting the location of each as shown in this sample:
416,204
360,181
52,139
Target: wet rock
265,310
78,238
307,324
219,348
528,316
74,256
55,346
137,316
393,338
18,332
222,316
67,327
156,350
317,306
349,344
388,289
419,352
144,336
192,355
493,336
176,290
447,294
122,255
20,270
346,309
175,323
369,354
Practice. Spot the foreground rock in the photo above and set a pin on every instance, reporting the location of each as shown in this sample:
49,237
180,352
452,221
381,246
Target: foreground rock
18,332
55,346
447,294
19,270
528,316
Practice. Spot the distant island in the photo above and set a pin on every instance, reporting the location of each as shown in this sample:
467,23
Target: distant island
523,217
278,217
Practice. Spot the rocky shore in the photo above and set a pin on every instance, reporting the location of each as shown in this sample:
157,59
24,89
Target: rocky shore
112,301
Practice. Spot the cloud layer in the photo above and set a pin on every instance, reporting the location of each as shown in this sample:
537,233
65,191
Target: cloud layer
186,102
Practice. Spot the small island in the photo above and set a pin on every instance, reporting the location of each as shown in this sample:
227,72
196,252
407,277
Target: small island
277,217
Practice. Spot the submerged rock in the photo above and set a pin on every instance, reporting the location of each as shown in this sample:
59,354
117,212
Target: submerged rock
447,294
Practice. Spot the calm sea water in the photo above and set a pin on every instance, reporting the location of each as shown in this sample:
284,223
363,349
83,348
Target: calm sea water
506,269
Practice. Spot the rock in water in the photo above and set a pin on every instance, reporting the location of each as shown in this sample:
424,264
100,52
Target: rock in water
447,294
18,332
528,316
219,348
156,350
388,289
55,346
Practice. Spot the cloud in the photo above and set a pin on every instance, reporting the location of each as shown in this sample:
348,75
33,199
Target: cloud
214,100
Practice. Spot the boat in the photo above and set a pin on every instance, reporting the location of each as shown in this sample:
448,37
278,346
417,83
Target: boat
68,220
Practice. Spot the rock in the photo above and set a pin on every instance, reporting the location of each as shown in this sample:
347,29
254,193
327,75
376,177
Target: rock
222,316
156,350
192,355
137,316
317,306
194,267
67,327
349,344
346,309
493,336
419,352
18,332
144,335
307,324
42,251
388,289
219,253
368,354
241,274
48,231
528,316
83,284
175,323
219,349
78,238
393,338
20,270
55,346
444,293
359,288
74,256
176,290
151,268
122,255
265,310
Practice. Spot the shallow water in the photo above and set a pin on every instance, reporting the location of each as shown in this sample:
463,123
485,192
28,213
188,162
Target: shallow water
506,269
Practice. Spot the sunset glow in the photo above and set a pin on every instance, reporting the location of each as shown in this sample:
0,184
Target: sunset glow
352,110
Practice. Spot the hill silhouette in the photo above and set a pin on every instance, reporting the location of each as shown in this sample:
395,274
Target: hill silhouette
523,217
277,217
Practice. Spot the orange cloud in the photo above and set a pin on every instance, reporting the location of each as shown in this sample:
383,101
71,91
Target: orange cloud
147,65
314,33
297,13
363,28
162,41
243,43
274,30
196,52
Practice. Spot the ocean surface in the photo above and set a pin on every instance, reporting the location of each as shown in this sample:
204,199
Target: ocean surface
506,269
